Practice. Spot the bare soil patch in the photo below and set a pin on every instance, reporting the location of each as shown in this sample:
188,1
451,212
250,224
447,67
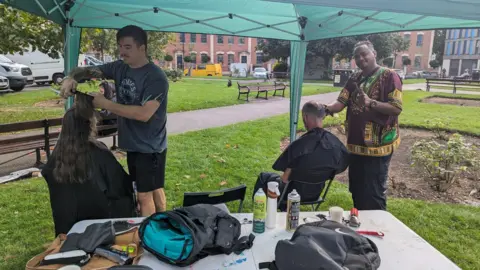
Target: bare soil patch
53,103
406,181
453,101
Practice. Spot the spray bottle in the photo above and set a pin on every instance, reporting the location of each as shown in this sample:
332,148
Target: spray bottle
259,211
272,195
293,211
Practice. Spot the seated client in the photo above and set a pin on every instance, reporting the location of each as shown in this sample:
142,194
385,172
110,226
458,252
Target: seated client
315,157
84,178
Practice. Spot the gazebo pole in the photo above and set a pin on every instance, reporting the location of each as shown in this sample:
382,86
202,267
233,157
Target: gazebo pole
298,53
71,52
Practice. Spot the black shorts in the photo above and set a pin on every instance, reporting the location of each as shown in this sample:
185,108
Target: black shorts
147,170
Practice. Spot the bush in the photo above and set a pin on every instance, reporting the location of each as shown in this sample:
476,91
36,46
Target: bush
168,58
443,161
174,75
280,67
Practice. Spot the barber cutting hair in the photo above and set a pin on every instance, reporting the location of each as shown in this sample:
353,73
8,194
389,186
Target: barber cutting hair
141,107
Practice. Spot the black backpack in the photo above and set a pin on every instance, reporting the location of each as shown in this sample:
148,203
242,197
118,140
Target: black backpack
185,235
325,245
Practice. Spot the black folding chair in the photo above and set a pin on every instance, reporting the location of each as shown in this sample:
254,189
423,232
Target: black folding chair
311,192
216,197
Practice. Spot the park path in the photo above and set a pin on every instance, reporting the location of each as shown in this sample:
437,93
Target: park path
181,122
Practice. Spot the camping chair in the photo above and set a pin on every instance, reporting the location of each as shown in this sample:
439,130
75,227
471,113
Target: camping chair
302,186
217,197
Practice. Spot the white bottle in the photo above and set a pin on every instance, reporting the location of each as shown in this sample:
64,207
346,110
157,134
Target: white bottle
272,195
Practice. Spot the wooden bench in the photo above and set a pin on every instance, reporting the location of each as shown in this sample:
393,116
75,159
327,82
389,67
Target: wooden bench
452,82
38,140
260,86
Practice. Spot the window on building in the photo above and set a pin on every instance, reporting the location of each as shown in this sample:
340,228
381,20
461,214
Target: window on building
219,58
457,33
241,40
477,47
193,56
464,50
231,59
220,39
230,40
418,62
463,33
453,47
403,58
448,48
193,38
182,37
259,57
419,40
203,38
471,47
243,59
451,34
459,48
406,37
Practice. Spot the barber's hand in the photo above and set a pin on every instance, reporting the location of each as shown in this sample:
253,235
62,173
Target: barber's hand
99,100
67,87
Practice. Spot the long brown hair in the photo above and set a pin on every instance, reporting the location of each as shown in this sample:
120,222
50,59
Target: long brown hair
72,158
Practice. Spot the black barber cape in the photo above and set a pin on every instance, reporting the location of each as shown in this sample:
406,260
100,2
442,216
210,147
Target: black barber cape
315,152
108,193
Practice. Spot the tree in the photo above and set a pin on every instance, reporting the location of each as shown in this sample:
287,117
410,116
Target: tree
388,62
439,45
328,48
406,62
205,59
100,40
399,44
20,31
434,63
157,42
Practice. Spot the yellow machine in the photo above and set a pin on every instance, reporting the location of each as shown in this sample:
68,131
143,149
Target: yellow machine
204,70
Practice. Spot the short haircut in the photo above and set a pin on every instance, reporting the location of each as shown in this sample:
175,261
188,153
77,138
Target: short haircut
138,34
364,43
314,109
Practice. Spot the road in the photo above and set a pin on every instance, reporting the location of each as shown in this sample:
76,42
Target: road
28,88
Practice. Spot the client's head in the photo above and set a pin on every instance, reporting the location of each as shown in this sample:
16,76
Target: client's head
313,114
71,154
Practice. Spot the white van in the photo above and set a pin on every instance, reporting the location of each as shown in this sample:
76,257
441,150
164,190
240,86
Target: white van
18,75
46,69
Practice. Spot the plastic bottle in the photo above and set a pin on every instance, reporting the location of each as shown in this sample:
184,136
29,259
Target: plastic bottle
259,211
272,195
293,210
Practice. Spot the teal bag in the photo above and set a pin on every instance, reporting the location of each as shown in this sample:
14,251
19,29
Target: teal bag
185,235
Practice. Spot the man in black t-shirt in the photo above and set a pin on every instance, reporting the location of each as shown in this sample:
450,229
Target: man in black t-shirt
141,107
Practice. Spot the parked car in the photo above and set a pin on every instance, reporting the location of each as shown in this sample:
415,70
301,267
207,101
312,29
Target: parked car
4,83
400,73
260,73
18,75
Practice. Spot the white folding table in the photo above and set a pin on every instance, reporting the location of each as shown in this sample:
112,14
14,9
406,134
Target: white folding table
400,248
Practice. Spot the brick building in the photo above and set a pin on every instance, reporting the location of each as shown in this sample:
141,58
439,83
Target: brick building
420,51
221,50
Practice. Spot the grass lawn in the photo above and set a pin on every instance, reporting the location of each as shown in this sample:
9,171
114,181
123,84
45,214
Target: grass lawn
414,81
185,95
228,156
